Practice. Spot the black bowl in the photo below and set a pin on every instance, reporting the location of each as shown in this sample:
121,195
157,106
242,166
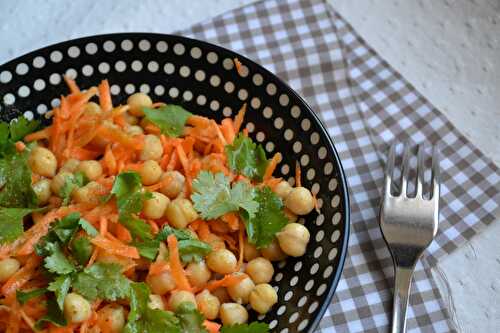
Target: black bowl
202,78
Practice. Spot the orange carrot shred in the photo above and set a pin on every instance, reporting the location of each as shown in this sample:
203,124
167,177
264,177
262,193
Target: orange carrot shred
272,166
227,281
298,173
115,247
105,96
20,146
39,135
73,87
241,247
211,326
238,65
178,273
22,276
238,120
158,267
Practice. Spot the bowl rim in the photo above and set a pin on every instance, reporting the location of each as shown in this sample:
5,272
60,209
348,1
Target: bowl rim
334,281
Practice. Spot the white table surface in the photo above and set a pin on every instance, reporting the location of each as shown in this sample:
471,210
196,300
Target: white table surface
448,49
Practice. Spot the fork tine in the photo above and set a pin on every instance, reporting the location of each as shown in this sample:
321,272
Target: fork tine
405,169
389,169
420,170
435,173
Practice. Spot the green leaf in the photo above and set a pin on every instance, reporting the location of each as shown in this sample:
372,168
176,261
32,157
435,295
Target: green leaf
171,119
137,227
60,286
81,249
102,280
213,196
11,223
127,189
269,219
54,316
88,228
254,327
180,234
72,182
15,182
56,262
247,158
67,227
193,250
24,296
148,248
22,127
191,319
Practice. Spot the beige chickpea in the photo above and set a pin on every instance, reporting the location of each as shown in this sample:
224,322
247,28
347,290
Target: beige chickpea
175,186
112,317
76,308
208,304
180,212
93,109
156,302
282,189
198,273
154,208
134,130
8,267
130,119
263,297
161,283
91,169
88,194
179,297
240,292
232,314
300,201
150,172
59,180
249,251
222,295
70,165
153,149
42,191
138,101
260,270
43,162
222,261
293,239
273,251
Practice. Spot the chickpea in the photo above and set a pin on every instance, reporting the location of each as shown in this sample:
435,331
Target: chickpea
175,186
153,149
208,304
273,251
283,189
129,119
291,216
300,201
232,314
76,308
293,239
222,295
43,162
89,193
134,130
93,109
112,317
150,172
179,297
222,261
180,212
42,191
240,292
8,267
198,273
249,251
70,165
161,283
156,302
263,297
154,208
260,270
59,180
138,101
91,169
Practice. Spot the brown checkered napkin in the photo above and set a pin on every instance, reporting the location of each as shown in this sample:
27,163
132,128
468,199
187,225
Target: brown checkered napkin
365,105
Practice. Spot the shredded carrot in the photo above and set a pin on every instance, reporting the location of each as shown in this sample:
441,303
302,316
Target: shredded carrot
316,204
115,247
158,105
227,281
272,166
22,276
109,160
198,121
161,184
298,173
227,128
20,146
232,221
241,247
117,135
39,135
73,87
122,233
103,226
238,120
105,96
154,226
211,326
93,257
178,273
238,65
158,267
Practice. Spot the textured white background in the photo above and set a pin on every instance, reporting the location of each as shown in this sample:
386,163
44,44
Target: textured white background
448,49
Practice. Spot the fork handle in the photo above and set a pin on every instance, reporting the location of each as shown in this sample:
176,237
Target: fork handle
402,286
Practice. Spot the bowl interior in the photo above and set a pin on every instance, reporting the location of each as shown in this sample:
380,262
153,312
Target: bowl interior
202,77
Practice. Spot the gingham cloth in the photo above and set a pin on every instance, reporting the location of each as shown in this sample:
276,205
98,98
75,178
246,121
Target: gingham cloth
365,105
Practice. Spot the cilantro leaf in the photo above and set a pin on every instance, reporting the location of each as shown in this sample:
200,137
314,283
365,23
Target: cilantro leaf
127,189
11,223
60,286
72,182
142,319
81,249
254,327
180,234
190,248
88,228
24,296
269,219
56,262
54,315
247,158
22,127
191,319
148,248
102,280
15,182
67,227
171,119
213,196
137,227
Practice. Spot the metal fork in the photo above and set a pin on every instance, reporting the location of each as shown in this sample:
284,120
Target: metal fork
408,225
